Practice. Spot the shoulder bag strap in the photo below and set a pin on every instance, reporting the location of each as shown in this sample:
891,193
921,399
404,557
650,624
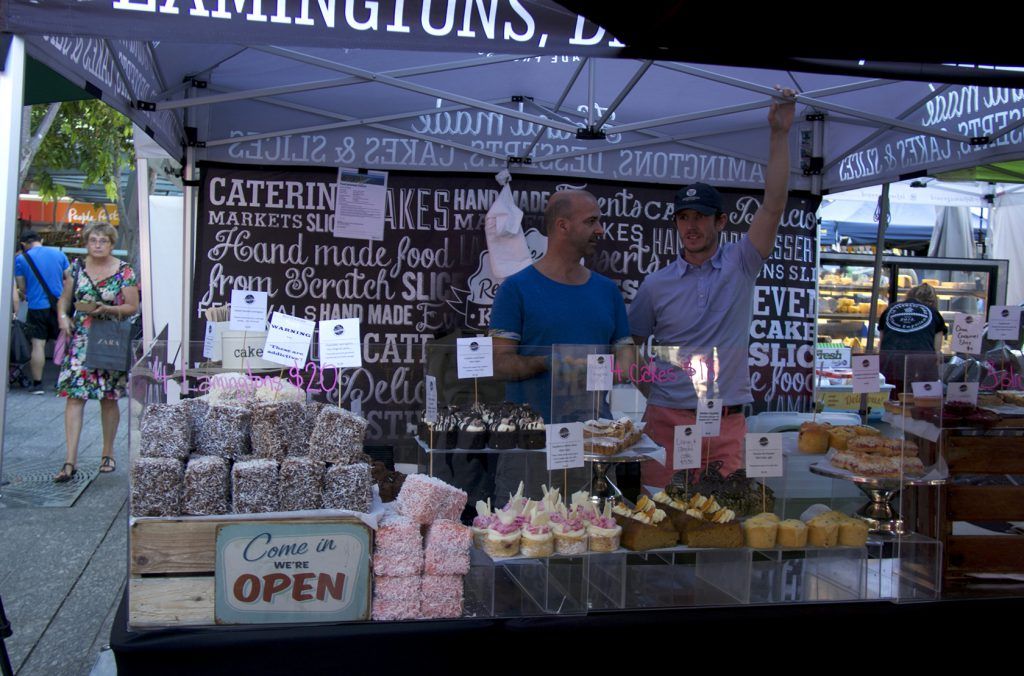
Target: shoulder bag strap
46,289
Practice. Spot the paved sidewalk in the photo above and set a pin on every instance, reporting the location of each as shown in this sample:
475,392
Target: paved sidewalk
62,569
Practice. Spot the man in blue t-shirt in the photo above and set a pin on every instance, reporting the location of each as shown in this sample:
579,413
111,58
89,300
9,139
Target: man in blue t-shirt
554,301
41,322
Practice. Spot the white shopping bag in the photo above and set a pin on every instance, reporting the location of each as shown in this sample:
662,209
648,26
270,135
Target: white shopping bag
503,227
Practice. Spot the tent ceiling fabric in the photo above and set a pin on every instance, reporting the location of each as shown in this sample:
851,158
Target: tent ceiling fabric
485,98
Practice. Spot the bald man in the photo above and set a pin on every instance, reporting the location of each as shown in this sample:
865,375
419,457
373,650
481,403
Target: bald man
554,301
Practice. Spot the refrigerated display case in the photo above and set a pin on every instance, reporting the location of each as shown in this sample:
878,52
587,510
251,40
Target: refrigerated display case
845,281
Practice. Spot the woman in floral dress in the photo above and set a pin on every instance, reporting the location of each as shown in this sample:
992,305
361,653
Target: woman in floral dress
110,284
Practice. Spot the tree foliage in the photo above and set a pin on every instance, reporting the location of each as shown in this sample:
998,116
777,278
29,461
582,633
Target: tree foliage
88,136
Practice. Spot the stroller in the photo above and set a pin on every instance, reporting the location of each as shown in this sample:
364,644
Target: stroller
21,352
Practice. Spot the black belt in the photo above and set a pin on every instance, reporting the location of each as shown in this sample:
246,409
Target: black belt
726,410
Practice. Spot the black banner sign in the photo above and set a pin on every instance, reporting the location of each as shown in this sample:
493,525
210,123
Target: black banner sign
271,230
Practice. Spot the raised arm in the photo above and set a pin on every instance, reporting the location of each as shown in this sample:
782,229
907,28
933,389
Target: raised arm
765,223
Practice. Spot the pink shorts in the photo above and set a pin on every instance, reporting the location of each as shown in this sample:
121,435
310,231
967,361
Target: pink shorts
727,447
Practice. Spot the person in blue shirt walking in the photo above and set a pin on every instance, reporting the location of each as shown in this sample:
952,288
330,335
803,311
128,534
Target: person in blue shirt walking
42,291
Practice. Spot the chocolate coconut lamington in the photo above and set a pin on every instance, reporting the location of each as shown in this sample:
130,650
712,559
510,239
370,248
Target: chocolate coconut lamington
337,436
254,486
195,410
302,484
310,412
207,484
156,486
275,427
348,487
165,432
225,432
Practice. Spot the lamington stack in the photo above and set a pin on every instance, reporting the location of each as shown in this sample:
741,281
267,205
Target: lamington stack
421,553
260,452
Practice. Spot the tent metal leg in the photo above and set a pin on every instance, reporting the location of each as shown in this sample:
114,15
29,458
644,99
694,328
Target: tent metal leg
11,98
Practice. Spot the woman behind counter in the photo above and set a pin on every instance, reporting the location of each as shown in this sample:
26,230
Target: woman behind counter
910,329
110,283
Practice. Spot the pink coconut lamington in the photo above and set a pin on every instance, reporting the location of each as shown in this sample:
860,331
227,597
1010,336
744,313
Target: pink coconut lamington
398,547
455,502
396,598
447,548
421,497
440,596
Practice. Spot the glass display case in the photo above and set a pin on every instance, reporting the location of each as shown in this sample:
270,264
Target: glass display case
592,396
845,281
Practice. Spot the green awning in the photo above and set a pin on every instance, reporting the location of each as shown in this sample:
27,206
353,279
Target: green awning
44,85
1001,172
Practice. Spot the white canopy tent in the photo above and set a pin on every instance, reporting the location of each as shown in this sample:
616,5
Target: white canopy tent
478,85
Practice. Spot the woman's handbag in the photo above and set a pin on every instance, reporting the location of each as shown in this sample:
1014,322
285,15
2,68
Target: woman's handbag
60,348
108,346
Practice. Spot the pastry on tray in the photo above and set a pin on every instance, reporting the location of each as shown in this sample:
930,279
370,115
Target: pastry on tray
813,437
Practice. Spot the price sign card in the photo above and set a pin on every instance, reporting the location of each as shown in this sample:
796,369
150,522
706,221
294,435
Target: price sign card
927,389
599,372
764,455
565,446
967,332
475,357
709,417
832,357
248,310
1004,322
430,415
965,392
865,374
212,340
686,447
359,205
340,345
288,340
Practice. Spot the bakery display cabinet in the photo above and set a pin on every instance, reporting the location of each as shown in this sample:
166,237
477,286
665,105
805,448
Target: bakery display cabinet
845,282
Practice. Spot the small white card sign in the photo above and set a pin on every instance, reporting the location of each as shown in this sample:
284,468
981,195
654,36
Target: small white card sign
832,357
599,372
565,446
288,340
475,357
967,332
865,373
430,415
340,346
709,417
686,447
965,392
248,310
211,342
359,204
1004,322
764,454
927,389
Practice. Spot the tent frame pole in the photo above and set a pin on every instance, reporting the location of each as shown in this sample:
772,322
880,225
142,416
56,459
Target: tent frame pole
189,175
145,251
876,281
12,79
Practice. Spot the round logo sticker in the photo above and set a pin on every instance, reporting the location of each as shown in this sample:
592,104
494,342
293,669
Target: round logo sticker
968,319
1004,313
474,346
564,432
600,360
711,405
865,363
339,329
908,317
691,192
250,299
688,431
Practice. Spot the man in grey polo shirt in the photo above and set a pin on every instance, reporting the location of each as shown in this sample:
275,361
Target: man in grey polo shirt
696,311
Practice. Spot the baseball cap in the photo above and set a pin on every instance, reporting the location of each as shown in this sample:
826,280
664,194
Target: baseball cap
699,197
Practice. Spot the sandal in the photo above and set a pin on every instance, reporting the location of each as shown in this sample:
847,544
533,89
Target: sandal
107,465
64,475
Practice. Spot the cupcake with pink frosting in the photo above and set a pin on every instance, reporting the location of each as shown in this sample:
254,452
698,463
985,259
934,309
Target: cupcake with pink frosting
503,536
481,522
603,532
570,531
538,540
